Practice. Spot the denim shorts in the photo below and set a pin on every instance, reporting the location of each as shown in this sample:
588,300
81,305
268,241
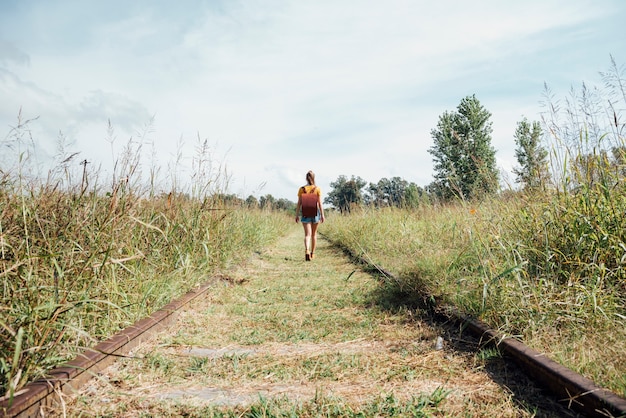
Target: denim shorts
309,220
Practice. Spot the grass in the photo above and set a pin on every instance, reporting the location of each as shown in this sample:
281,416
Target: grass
74,281
82,258
283,337
546,265
474,258
321,406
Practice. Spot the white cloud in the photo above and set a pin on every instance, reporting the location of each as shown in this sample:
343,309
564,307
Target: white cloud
283,87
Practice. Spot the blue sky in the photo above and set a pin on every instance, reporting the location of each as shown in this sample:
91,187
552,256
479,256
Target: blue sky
279,87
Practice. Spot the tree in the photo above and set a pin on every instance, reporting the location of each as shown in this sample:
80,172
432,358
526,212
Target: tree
252,202
267,202
393,192
285,204
414,196
531,156
464,160
619,160
346,194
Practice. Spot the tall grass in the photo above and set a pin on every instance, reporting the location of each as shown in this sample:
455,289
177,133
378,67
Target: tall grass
82,258
548,268
481,260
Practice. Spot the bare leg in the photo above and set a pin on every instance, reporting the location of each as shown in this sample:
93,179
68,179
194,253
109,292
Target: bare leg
313,237
307,237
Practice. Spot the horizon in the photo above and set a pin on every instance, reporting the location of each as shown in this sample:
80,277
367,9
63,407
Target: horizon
277,88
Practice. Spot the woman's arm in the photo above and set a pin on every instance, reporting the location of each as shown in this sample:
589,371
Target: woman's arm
298,208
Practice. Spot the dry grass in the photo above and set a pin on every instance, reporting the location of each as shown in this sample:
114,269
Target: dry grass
82,257
476,258
284,337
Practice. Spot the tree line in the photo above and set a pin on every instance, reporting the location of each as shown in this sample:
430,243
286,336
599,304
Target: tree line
464,163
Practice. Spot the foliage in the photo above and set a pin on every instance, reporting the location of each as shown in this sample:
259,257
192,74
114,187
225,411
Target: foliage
531,156
586,123
583,223
394,192
547,266
267,201
496,261
252,202
346,194
79,260
285,205
464,160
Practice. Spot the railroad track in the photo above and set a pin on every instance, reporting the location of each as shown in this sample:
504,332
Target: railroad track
568,388
43,394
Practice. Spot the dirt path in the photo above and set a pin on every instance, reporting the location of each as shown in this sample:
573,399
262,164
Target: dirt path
280,328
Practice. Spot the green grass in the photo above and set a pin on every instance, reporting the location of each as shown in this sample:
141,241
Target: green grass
284,337
426,405
82,258
68,286
481,258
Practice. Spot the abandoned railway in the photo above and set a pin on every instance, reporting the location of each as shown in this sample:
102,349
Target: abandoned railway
566,393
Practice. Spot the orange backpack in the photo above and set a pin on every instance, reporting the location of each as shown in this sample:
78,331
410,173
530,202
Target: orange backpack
309,203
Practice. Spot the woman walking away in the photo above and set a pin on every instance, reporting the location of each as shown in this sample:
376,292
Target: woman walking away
310,212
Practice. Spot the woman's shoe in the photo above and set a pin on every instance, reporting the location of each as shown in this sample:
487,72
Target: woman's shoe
312,255
307,257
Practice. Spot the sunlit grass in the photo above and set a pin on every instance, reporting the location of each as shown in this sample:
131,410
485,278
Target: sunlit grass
81,259
320,338
546,266
323,405
477,259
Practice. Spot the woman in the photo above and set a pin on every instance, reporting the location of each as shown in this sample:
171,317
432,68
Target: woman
307,193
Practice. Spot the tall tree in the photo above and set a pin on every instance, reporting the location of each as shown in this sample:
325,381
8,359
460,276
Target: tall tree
531,156
346,194
464,160
393,192
414,196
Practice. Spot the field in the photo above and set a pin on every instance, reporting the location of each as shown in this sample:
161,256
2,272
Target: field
485,261
77,268
82,258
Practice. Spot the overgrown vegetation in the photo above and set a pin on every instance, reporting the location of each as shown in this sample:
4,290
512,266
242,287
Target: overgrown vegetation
80,260
464,160
319,338
545,264
83,257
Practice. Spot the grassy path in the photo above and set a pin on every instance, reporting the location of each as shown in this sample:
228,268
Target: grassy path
279,336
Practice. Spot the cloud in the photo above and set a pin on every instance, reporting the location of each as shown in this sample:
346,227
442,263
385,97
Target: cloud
282,87
10,53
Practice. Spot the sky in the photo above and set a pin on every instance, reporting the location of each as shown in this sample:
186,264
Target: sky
279,87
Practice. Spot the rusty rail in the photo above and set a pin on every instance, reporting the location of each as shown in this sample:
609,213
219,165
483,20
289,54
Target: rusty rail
36,397
571,389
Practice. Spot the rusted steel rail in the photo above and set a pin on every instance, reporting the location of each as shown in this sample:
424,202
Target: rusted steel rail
36,398
569,388
572,390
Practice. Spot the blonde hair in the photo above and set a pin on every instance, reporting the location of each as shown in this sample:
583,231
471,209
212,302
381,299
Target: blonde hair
310,178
